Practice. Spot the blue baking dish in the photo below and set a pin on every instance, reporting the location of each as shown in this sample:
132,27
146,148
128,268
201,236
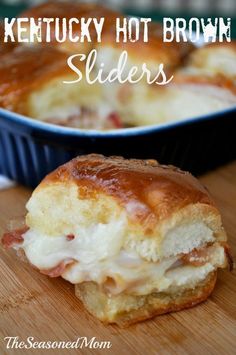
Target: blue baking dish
29,149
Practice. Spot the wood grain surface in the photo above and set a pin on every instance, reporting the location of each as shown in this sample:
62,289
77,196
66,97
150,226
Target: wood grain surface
32,304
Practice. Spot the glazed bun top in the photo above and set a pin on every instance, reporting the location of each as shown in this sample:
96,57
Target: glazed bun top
70,10
153,52
146,188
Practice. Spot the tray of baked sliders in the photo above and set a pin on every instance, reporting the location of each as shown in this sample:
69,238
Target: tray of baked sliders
44,122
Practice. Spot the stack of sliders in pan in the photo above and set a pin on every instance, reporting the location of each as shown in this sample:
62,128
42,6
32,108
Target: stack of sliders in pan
137,239
187,95
201,83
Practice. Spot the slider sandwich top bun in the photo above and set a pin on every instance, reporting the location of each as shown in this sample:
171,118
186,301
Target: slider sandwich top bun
153,53
215,59
31,83
68,10
184,97
136,238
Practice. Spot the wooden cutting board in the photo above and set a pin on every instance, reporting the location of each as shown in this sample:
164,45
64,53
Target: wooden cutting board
34,305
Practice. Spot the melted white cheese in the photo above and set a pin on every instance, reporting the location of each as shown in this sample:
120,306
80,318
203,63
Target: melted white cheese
115,269
91,245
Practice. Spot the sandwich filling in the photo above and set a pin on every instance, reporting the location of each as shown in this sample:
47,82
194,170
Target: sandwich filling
77,259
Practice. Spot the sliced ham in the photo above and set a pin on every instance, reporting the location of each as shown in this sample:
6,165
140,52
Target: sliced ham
9,239
115,120
88,118
59,269
197,257
70,237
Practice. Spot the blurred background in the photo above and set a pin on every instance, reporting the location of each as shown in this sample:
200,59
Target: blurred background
157,9
201,6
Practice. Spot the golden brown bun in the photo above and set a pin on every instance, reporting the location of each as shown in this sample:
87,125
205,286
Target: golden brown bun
161,190
69,10
153,52
155,197
31,83
214,60
126,309
26,69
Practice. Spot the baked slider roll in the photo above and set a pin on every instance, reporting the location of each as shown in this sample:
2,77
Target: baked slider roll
68,10
212,60
136,238
31,83
187,96
153,53
138,104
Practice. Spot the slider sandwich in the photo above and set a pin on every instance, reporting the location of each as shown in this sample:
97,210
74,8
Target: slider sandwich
153,52
137,239
32,84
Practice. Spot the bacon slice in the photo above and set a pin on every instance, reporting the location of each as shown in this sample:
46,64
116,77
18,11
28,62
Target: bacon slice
89,119
70,237
197,257
14,237
115,120
57,270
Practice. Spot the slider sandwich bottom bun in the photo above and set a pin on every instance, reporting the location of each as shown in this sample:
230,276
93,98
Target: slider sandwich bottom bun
136,238
128,309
